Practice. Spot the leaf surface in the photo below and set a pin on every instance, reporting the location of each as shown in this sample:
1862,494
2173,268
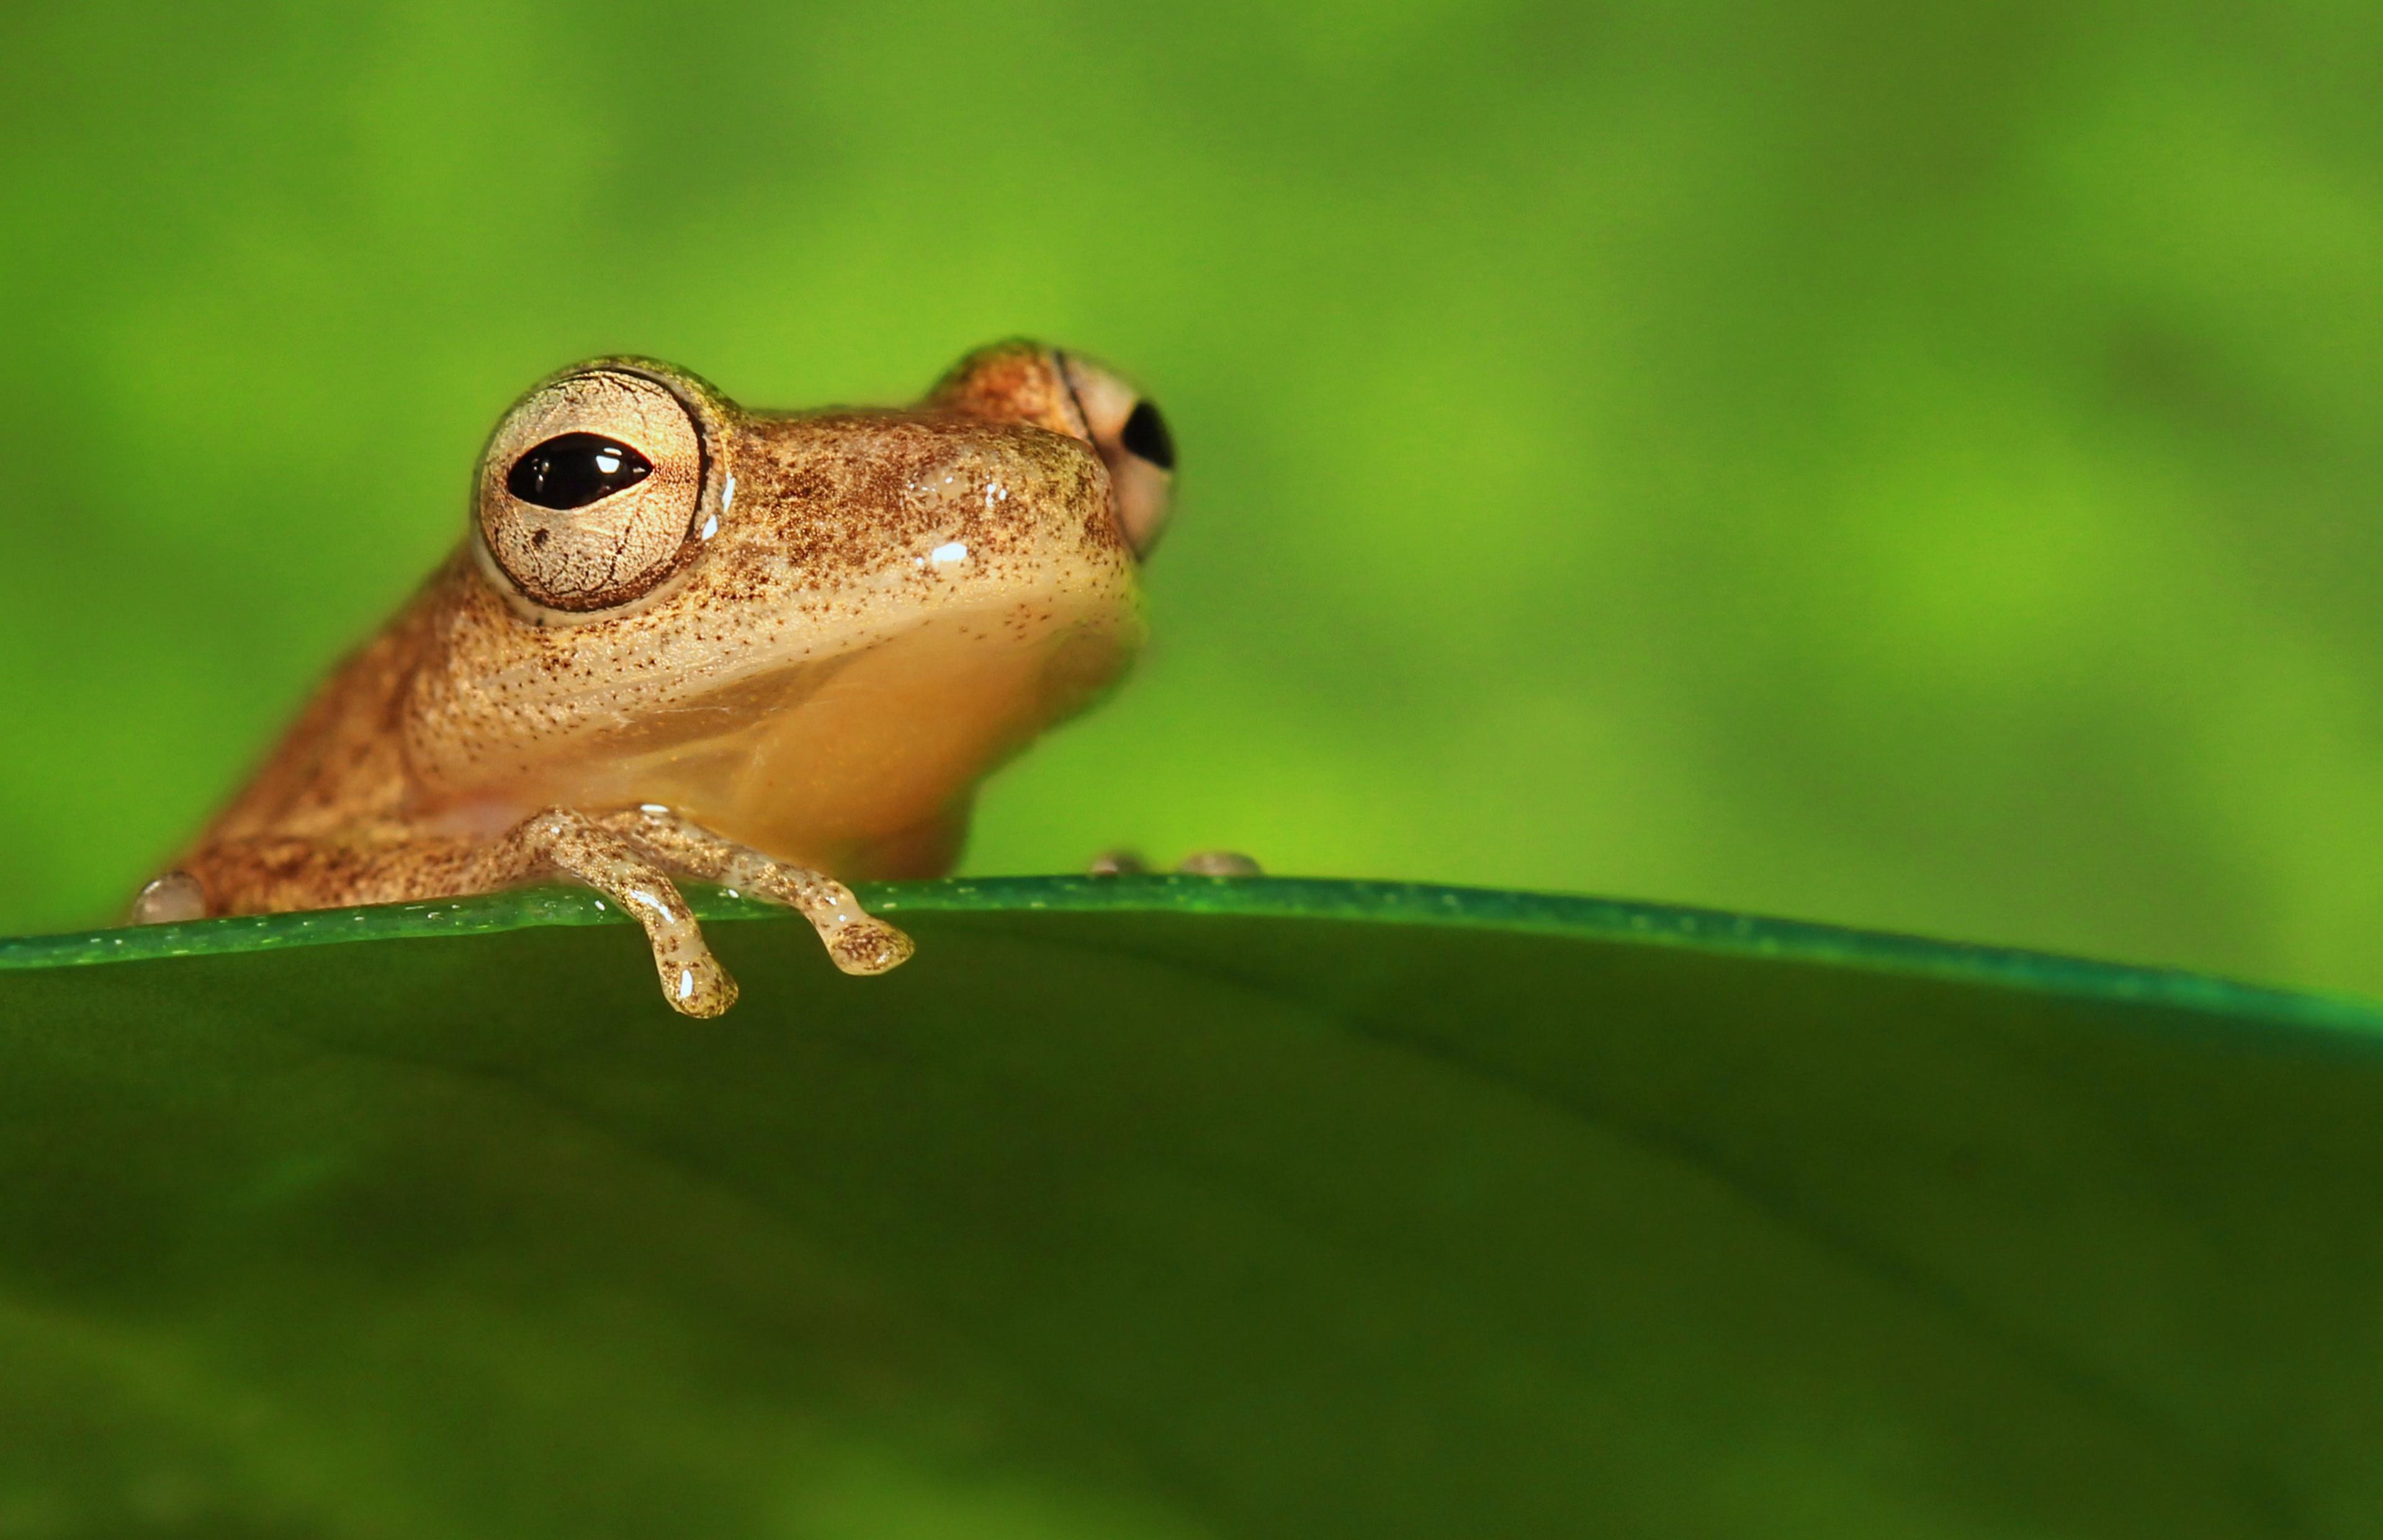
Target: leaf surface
1172,1207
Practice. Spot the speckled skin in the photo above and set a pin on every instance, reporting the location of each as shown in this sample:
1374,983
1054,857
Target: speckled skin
869,610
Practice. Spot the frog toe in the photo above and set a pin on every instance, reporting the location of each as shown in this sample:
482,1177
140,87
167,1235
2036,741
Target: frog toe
869,945
1219,863
696,984
168,900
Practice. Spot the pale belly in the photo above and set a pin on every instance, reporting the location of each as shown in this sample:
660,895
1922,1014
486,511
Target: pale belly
862,764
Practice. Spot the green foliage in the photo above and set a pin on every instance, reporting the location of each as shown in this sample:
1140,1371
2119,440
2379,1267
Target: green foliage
1168,1208
1915,466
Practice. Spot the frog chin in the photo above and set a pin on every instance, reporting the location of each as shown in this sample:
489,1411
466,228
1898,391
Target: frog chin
863,765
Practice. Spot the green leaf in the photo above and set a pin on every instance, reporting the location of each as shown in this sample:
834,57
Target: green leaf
1166,1207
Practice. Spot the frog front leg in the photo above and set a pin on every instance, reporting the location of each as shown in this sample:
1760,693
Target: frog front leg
615,852
623,856
857,940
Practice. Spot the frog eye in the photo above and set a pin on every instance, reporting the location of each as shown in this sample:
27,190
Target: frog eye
1127,429
589,488
575,469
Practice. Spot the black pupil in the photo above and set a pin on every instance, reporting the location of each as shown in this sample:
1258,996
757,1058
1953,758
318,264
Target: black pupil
1146,434
575,469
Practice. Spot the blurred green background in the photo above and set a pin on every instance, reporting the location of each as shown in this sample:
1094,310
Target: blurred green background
1911,467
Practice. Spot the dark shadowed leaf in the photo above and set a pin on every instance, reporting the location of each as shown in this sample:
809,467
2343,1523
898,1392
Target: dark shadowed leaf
1160,1207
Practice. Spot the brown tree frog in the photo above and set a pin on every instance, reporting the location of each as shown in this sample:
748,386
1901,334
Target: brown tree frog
754,648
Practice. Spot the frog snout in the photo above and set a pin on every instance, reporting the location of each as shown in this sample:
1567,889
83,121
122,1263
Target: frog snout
1131,433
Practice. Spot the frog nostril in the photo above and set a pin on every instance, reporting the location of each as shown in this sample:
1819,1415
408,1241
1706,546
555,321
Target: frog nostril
1145,435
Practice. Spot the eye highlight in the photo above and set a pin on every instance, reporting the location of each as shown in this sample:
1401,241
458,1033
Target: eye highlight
573,470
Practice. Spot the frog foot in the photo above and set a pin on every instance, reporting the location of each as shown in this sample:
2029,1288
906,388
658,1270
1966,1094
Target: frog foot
1203,863
168,900
858,941
1218,863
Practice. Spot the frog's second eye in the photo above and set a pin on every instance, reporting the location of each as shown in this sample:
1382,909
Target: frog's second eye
1146,434
1134,442
575,469
590,489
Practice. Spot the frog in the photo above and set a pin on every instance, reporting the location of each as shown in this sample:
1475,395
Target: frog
774,651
